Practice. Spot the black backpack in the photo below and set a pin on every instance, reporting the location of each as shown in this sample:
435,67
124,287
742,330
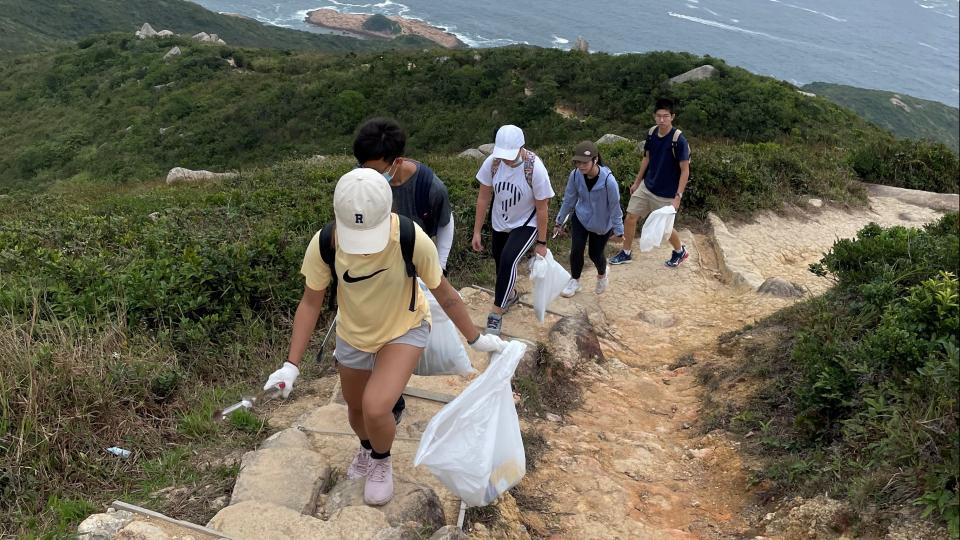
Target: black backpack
328,251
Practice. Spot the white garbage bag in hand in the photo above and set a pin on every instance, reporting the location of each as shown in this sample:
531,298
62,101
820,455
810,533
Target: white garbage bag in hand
473,445
549,278
444,353
657,227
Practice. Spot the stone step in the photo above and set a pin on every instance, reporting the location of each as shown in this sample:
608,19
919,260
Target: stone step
255,520
285,476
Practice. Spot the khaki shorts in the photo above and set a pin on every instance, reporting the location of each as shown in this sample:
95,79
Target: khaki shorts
351,357
642,202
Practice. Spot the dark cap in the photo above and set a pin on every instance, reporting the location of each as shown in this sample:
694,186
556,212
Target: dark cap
585,151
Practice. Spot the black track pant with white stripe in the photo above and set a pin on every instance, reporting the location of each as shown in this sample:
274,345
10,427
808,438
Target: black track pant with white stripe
508,249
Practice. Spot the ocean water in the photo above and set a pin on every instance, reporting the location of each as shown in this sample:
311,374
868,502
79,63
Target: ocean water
909,46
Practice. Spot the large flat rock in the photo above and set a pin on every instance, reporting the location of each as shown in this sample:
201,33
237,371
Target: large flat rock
252,520
283,476
411,502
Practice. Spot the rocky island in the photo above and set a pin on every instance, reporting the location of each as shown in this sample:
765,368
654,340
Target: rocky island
380,26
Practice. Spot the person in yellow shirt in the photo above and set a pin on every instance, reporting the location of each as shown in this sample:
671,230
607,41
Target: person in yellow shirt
383,321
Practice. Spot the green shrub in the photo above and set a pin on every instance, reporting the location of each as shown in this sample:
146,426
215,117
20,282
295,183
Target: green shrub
865,386
908,164
381,23
120,94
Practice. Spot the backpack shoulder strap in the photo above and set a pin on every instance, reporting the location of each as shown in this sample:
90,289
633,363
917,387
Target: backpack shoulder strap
673,145
421,197
408,240
528,164
328,253
646,144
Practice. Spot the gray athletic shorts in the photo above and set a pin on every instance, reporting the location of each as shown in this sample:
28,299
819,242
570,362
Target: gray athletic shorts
351,357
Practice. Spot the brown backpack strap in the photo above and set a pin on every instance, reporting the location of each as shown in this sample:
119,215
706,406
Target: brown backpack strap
528,164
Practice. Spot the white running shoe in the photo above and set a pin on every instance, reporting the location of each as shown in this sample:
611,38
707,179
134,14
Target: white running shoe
602,282
571,289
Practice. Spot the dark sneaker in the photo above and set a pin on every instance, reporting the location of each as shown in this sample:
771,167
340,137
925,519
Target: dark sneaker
678,257
621,258
398,408
493,324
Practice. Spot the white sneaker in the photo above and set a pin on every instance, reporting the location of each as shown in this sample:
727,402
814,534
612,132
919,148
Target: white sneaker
360,465
571,289
378,489
602,282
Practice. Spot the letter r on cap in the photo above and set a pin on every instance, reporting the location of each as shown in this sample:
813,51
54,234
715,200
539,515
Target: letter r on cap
359,217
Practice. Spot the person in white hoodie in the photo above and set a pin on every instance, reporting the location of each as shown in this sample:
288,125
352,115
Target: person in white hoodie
591,202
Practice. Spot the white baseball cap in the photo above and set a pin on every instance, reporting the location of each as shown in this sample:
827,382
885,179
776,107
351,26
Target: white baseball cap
508,143
361,202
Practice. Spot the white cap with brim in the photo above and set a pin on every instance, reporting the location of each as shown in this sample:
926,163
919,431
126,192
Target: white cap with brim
362,202
508,143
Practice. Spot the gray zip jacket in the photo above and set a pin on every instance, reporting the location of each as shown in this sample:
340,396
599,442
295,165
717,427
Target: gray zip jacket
598,209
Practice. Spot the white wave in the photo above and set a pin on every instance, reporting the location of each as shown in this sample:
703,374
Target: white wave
388,5
808,10
927,45
722,26
734,20
347,4
477,42
560,41
694,1
691,6
712,12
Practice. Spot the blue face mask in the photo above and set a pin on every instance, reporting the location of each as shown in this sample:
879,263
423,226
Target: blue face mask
387,174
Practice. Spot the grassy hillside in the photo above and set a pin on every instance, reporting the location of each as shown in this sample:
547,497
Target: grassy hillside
906,116
111,109
41,24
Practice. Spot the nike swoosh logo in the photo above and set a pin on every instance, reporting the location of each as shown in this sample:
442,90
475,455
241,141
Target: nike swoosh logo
350,279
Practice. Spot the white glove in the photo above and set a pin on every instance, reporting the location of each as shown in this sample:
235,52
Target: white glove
489,343
283,377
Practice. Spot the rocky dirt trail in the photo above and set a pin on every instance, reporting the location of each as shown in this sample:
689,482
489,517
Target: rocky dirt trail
629,461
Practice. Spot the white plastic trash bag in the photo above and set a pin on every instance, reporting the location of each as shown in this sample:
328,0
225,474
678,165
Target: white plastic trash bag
657,228
473,445
549,278
444,353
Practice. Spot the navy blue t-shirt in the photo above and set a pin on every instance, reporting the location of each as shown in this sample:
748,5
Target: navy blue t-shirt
663,171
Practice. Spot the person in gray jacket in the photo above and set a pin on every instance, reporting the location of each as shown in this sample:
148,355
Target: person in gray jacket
591,202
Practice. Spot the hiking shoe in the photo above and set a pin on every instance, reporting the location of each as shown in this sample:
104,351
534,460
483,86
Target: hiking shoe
678,257
398,408
571,289
493,324
360,465
602,282
378,489
621,258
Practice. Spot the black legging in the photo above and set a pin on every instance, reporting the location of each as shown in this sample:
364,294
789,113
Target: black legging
508,248
598,243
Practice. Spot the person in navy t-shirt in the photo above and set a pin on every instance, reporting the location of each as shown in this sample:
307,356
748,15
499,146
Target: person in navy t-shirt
662,178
